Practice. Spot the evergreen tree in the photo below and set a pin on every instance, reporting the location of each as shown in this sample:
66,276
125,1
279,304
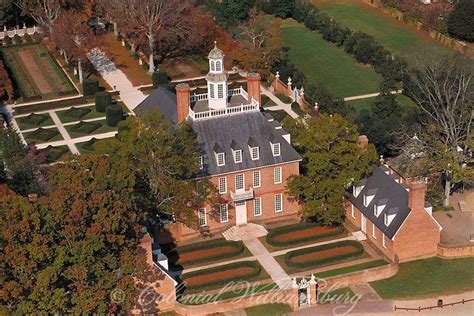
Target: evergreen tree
332,160
283,8
232,12
461,21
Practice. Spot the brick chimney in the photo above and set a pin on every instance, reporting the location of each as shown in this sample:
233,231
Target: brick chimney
362,141
183,101
253,87
416,195
146,245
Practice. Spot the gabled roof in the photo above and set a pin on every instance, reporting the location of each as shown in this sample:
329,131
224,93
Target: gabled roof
387,192
243,130
162,99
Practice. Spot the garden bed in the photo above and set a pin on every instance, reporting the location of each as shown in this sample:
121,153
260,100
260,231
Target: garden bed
301,233
205,252
34,120
325,254
42,135
219,276
88,128
79,113
54,153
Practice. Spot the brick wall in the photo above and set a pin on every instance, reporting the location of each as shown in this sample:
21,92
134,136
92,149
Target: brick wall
280,87
448,252
267,191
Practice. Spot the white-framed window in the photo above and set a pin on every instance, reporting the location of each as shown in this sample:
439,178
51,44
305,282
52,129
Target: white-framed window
373,231
224,212
277,175
211,90
239,181
256,179
202,217
213,68
257,206
220,159
218,66
353,211
276,149
278,202
254,153
238,155
220,90
384,241
201,162
222,185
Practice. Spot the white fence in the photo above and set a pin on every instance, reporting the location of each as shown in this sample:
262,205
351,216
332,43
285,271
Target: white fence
20,31
253,106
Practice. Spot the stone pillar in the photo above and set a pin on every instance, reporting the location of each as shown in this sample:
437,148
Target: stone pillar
183,101
313,289
276,82
294,295
290,90
253,86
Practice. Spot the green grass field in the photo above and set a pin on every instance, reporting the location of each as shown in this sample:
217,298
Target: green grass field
325,63
393,34
428,277
88,128
365,104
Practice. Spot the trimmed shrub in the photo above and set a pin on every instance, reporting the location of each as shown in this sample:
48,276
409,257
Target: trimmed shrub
90,87
159,78
274,233
297,109
17,39
86,127
283,98
55,153
113,115
35,119
88,145
27,38
102,100
77,112
174,254
43,134
7,40
359,250
217,283
123,126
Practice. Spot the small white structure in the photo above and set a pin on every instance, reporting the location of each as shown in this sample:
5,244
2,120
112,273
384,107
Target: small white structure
216,80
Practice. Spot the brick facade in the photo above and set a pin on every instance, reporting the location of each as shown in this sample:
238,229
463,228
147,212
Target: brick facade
418,236
266,191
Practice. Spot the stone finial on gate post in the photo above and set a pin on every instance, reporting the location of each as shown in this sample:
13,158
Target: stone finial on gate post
290,90
301,98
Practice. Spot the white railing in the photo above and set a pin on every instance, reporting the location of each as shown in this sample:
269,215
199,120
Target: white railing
198,97
253,106
19,31
242,196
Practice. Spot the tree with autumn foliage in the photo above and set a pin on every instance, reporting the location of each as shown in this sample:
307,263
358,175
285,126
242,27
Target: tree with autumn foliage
44,12
332,160
73,37
166,158
68,251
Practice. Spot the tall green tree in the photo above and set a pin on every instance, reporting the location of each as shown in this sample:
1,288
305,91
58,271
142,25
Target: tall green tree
68,251
166,158
461,21
283,8
230,13
332,160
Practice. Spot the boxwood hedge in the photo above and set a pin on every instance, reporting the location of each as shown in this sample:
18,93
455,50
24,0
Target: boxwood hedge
272,234
359,250
174,254
256,269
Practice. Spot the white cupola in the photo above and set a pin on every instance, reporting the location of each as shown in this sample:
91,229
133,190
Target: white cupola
216,80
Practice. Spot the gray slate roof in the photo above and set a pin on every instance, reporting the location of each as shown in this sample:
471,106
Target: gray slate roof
386,190
236,130
162,99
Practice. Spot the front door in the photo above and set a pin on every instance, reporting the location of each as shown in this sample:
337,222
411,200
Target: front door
363,223
240,213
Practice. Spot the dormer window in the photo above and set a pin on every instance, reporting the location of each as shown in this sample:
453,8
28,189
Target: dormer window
220,157
238,156
276,149
369,196
254,153
379,206
389,216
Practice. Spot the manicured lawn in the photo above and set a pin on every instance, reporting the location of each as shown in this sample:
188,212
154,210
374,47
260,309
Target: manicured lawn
34,120
389,32
43,135
365,104
35,74
357,267
266,102
88,128
91,145
428,277
268,310
325,63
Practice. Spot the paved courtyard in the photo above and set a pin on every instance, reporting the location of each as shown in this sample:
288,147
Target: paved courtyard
457,227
